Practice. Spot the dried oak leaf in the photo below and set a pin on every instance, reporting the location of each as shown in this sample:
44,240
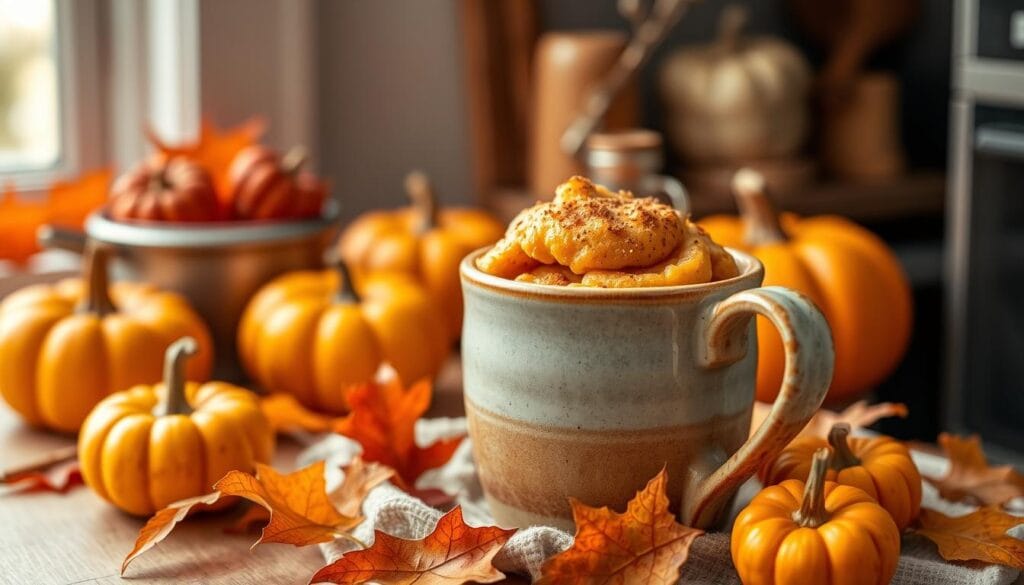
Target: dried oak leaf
971,478
978,536
857,415
643,545
301,512
452,554
383,418
285,413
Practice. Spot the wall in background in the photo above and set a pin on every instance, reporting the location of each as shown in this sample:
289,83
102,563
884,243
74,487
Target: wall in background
392,99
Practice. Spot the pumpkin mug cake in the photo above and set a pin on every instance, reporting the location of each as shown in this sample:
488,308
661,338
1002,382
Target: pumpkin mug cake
607,337
590,236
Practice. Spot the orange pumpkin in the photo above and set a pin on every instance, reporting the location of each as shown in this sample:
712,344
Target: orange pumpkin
880,466
846,270
164,189
65,347
265,186
312,335
423,241
816,532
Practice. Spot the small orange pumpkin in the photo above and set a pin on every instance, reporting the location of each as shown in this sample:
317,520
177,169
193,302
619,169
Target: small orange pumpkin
851,275
880,466
816,532
64,347
164,189
265,186
311,334
150,445
423,241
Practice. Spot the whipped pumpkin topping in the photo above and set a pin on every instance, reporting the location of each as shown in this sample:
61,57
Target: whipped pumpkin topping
590,236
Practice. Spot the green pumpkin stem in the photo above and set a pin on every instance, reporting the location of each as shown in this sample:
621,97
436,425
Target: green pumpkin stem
97,291
812,511
842,455
760,221
419,190
346,292
175,359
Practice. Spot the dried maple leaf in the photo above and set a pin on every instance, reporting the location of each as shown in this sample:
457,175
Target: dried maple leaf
452,554
360,478
163,522
285,413
59,479
383,419
857,415
643,545
215,149
971,478
978,536
301,512
255,517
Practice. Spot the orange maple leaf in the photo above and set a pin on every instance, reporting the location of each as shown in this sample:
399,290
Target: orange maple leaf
383,419
285,413
643,545
452,554
858,415
978,536
70,202
301,511
971,478
215,149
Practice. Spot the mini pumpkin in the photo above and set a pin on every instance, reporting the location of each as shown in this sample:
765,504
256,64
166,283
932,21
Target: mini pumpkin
311,334
64,347
851,275
424,241
816,532
148,446
880,466
164,189
265,186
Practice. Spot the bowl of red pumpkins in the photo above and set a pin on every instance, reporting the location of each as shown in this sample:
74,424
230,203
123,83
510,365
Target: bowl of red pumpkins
214,239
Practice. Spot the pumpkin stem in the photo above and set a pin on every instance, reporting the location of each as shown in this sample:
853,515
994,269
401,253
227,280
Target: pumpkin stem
730,24
158,179
346,292
812,511
97,292
838,438
419,190
293,160
760,222
177,355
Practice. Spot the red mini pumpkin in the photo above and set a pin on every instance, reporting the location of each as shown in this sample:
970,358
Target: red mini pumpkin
164,189
264,185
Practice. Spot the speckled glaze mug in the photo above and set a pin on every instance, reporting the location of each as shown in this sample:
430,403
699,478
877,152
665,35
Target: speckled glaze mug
588,393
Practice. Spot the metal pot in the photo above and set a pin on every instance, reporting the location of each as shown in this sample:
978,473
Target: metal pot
217,267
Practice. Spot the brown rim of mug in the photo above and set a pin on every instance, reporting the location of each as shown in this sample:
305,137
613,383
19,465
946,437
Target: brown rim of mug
751,274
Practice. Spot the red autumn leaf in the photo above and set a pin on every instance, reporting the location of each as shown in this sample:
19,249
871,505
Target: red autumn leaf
643,545
285,413
60,479
215,149
383,419
971,478
452,554
978,536
301,512
163,522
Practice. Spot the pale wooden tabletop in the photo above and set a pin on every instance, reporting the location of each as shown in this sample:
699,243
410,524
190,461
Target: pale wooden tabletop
77,538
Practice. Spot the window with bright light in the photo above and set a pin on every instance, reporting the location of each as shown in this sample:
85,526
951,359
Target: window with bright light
29,92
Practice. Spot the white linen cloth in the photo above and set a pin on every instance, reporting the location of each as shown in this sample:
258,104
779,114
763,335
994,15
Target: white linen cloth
397,513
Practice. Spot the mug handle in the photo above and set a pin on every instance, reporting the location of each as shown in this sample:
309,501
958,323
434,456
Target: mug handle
808,373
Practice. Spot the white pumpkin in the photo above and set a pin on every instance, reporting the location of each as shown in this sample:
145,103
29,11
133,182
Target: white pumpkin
738,98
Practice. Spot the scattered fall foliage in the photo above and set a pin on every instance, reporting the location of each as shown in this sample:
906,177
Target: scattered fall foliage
383,421
858,415
285,413
60,479
643,545
452,554
970,477
978,536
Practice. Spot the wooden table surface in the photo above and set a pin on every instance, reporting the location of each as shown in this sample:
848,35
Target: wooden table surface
53,539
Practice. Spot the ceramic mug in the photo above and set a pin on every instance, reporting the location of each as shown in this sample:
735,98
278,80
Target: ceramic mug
589,392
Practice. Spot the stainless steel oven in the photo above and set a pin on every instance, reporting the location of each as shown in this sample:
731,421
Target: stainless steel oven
985,227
